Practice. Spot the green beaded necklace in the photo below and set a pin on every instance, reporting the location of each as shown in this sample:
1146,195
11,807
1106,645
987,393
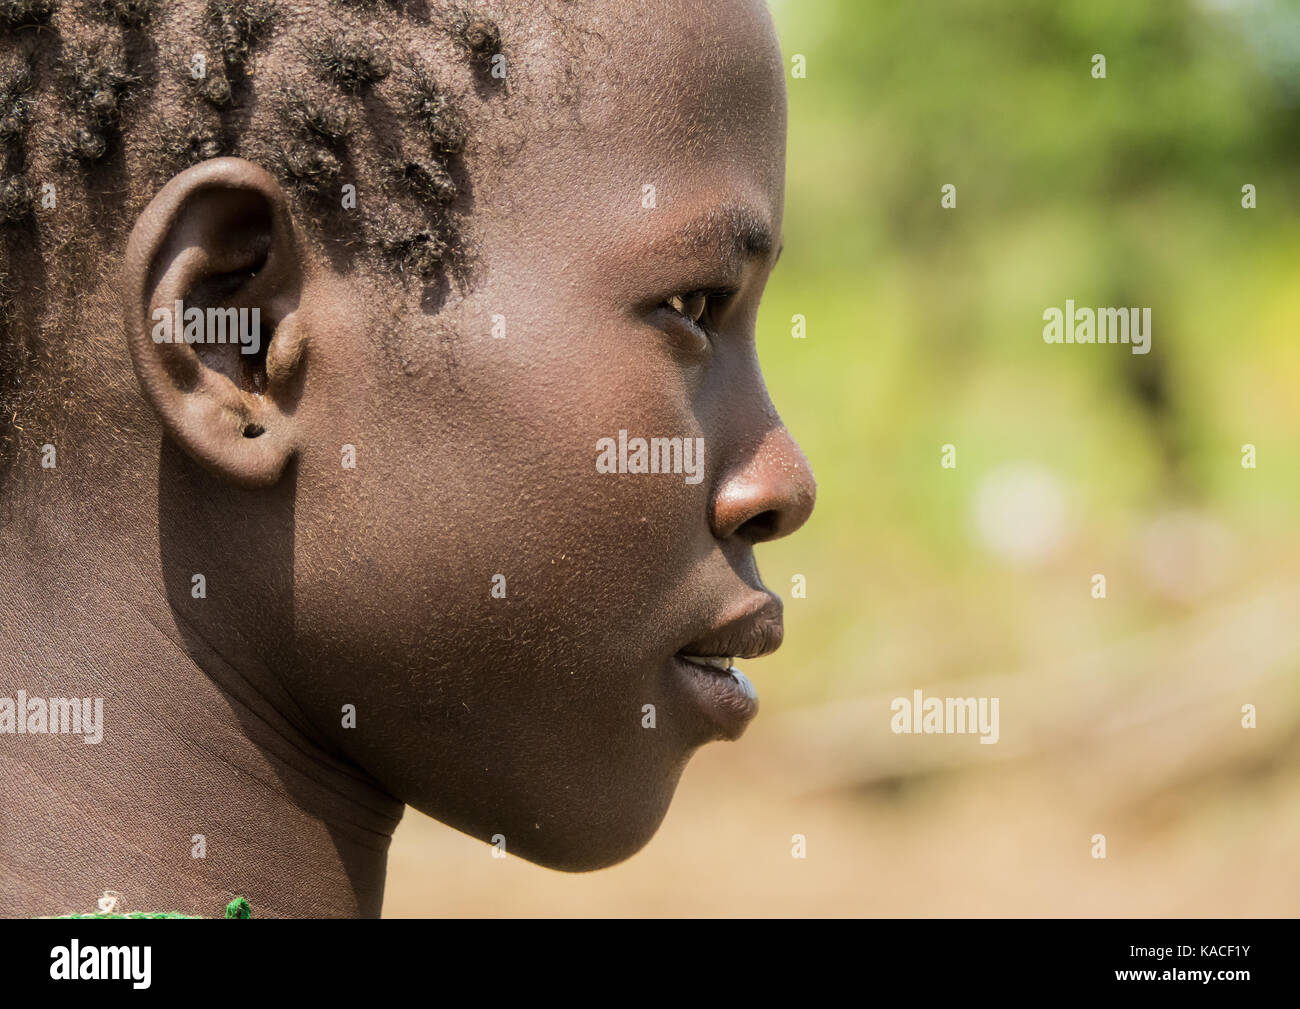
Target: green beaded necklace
237,908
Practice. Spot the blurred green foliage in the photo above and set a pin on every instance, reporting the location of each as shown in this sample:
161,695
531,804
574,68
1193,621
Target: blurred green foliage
925,324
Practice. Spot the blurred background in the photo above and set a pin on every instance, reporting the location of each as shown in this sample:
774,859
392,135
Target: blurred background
1119,716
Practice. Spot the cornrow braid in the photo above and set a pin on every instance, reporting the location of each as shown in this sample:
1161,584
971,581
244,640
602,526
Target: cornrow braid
26,13
479,38
15,102
323,117
350,62
193,141
97,83
15,199
427,178
127,13
238,24
443,126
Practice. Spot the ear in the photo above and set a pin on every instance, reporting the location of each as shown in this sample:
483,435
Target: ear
219,237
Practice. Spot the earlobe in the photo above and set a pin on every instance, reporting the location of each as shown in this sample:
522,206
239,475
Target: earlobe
213,275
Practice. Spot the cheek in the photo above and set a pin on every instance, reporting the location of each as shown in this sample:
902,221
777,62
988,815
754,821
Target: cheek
498,608
520,520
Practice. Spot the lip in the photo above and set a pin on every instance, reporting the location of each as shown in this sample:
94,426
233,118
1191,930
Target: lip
728,700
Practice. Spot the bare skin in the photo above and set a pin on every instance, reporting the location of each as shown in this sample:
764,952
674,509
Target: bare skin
328,586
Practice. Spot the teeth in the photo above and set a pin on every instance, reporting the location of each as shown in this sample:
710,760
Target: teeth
718,662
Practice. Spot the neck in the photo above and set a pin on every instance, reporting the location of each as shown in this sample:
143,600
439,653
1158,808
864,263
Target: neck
207,783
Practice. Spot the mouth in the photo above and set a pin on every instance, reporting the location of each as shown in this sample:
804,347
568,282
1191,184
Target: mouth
710,661
706,666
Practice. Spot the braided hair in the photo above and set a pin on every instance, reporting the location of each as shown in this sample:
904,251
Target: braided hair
102,101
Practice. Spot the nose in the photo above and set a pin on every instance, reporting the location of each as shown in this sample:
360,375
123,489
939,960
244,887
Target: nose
767,494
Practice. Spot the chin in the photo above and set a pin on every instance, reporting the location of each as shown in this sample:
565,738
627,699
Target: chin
586,856
593,835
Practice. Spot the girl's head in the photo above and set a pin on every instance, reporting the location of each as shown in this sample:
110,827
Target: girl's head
490,250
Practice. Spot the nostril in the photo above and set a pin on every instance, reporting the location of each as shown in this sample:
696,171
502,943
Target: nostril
253,430
763,526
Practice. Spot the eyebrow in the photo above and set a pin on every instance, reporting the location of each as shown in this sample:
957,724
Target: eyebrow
733,231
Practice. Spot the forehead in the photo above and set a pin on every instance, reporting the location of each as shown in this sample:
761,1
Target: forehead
685,97
695,76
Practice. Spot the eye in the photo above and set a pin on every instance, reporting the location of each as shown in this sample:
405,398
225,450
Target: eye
695,317
693,305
